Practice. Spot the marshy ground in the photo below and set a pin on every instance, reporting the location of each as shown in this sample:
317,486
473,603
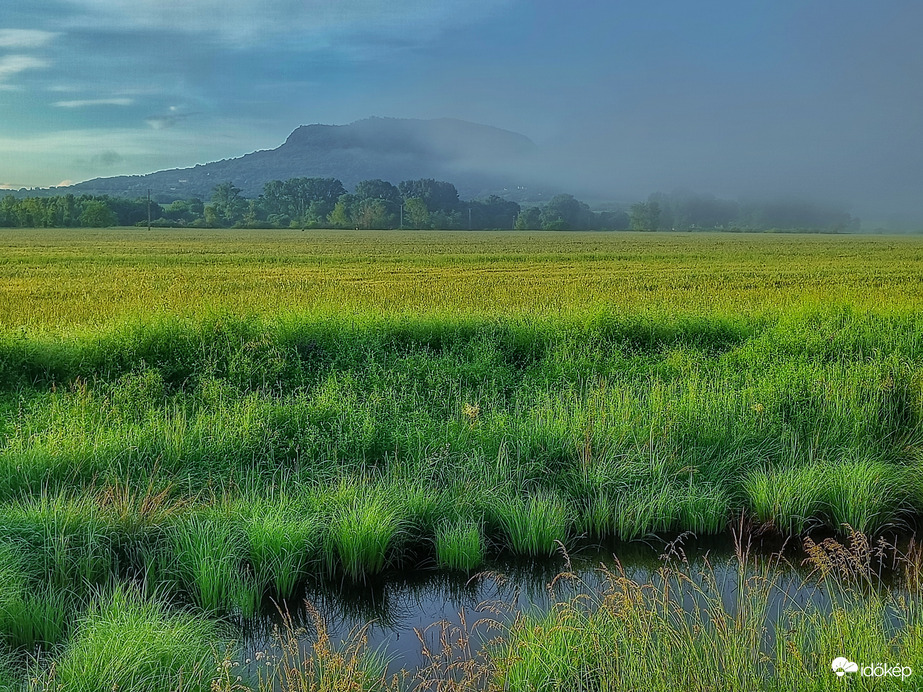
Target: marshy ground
194,422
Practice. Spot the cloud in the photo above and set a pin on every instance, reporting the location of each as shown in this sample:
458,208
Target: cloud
83,103
164,122
107,159
299,20
11,65
25,38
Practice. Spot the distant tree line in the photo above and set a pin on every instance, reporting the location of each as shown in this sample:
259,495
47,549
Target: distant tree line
685,211
413,204
374,204
68,211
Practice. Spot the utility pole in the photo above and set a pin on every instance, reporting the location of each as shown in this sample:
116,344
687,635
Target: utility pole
469,218
149,209
402,216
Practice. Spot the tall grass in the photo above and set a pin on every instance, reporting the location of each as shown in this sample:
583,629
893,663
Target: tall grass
65,538
728,627
128,642
11,678
532,525
680,631
365,525
788,499
38,618
329,666
284,541
459,545
323,414
866,494
208,557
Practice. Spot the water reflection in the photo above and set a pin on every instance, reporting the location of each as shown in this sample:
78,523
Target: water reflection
395,608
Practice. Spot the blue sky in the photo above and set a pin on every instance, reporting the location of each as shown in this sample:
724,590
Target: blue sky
754,98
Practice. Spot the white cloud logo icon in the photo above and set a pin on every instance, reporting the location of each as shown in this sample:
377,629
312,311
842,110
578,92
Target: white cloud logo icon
841,666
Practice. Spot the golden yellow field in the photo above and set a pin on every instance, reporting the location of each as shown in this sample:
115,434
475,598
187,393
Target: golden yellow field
58,280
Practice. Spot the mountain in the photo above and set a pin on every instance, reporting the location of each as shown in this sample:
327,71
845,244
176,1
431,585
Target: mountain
479,159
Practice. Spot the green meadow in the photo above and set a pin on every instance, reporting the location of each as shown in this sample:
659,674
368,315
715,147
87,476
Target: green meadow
194,421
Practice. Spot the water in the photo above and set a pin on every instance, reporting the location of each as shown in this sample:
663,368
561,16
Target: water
394,612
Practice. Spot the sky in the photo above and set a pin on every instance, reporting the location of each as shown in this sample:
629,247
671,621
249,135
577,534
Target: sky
766,98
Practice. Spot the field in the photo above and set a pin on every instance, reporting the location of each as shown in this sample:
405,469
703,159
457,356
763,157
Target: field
193,421
61,281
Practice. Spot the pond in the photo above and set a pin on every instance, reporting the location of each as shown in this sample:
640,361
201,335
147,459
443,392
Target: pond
399,612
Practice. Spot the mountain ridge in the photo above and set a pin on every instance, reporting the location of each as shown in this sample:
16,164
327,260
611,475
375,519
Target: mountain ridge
478,159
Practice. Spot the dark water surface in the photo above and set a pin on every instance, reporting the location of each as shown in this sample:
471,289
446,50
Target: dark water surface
392,609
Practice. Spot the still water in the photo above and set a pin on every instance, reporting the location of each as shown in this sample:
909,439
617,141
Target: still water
397,609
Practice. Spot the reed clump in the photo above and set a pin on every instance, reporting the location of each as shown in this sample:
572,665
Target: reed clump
460,545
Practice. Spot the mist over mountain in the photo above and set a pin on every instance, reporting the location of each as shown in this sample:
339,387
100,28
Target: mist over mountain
478,159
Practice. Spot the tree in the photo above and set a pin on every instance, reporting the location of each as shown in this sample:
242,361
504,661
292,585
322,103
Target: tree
373,213
446,220
252,216
645,216
436,194
387,198
97,214
212,220
529,219
180,211
613,220
303,200
416,215
379,189
566,213
66,211
494,212
227,203
9,209
684,210
341,216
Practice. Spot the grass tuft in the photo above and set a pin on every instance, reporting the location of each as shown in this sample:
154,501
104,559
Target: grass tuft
128,642
459,545
207,553
365,525
283,541
534,524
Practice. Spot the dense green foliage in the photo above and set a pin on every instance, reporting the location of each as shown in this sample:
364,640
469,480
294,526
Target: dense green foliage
413,204
128,642
69,211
